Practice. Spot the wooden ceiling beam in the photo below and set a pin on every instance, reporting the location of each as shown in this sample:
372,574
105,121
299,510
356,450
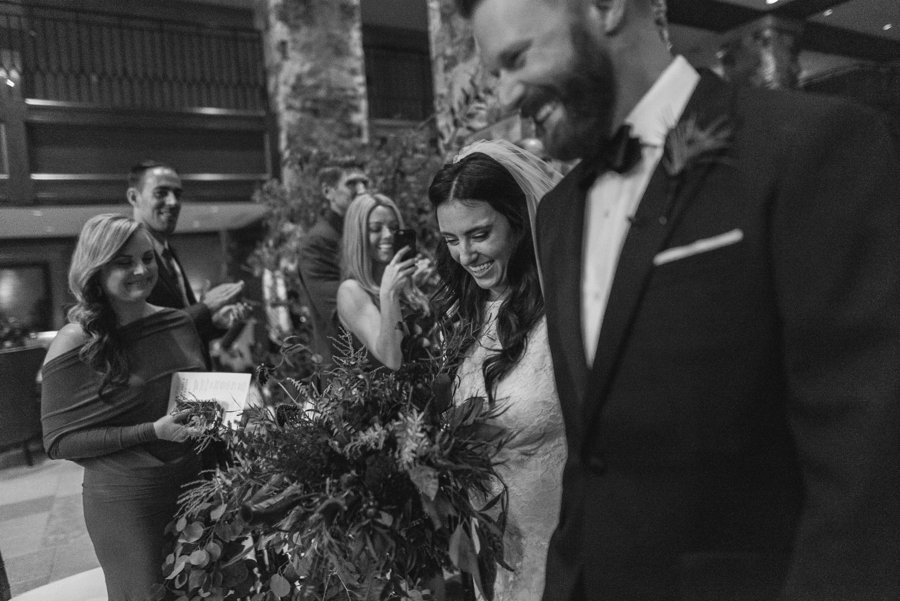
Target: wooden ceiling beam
710,14
803,9
827,39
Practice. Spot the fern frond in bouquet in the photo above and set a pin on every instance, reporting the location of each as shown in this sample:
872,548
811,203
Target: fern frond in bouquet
204,418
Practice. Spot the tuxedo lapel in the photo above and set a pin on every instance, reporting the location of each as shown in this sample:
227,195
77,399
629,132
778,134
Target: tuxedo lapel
657,215
188,291
645,237
561,229
166,278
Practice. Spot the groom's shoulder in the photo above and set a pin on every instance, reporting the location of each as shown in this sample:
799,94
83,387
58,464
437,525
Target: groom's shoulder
795,112
571,184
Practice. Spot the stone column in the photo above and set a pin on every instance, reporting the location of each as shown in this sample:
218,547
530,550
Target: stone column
763,53
464,97
316,75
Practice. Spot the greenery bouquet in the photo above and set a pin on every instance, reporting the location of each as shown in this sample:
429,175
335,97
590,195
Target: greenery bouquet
358,485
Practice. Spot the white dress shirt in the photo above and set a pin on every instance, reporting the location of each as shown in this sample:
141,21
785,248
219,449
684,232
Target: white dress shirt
613,198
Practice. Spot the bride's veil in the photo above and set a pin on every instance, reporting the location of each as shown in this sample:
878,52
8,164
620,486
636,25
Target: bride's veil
534,176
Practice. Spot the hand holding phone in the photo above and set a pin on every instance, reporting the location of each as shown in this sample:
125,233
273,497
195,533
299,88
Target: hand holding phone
405,237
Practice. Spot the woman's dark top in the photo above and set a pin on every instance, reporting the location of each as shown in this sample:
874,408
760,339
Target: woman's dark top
418,330
131,479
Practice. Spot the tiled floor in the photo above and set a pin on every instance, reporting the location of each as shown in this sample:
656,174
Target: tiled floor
42,533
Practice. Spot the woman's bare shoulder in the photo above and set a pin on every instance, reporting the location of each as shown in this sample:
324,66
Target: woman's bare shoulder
351,292
353,303
71,336
350,285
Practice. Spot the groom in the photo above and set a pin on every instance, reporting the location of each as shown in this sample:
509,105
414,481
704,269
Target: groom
731,384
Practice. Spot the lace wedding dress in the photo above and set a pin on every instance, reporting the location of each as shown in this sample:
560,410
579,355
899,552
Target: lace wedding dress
532,463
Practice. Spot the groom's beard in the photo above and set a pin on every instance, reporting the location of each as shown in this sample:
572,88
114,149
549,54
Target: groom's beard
587,92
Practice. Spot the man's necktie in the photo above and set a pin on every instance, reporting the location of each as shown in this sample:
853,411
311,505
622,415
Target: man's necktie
174,270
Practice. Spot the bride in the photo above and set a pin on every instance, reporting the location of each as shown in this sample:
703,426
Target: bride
485,201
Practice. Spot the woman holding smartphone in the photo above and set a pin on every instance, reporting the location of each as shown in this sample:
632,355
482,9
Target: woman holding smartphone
377,295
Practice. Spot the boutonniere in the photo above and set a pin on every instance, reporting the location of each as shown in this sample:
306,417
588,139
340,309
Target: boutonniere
688,146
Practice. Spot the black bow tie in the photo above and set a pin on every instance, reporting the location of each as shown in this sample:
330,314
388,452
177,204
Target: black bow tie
620,154
623,151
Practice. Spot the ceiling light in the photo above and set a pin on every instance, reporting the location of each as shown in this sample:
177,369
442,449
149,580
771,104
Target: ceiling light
771,1
828,12
887,26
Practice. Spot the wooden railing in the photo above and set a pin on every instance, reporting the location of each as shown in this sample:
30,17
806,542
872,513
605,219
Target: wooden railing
119,61
86,94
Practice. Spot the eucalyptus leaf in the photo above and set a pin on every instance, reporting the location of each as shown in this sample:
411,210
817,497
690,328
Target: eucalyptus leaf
279,585
180,579
218,512
180,562
196,579
214,550
192,532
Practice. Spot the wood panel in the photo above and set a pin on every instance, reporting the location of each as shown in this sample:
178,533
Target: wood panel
135,60
55,148
111,189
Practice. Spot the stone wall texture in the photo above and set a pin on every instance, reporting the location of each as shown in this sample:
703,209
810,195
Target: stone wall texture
464,96
316,74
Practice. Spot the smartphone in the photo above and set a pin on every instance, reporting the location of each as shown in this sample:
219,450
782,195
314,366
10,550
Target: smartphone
405,237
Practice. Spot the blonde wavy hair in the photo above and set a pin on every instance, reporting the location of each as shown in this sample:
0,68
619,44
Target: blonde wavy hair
356,258
101,239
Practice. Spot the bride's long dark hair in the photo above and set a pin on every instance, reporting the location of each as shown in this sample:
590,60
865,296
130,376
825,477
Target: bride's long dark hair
478,177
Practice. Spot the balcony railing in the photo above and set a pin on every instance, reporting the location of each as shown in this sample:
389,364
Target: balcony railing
118,61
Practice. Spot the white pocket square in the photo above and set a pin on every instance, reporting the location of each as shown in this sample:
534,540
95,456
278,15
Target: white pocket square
700,246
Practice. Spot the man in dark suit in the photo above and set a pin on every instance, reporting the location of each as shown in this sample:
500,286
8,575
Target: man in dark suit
320,250
154,192
731,384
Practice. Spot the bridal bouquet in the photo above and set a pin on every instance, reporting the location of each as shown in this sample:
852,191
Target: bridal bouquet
357,485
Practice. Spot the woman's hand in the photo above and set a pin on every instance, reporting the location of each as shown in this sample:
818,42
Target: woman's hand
424,272
397,274
172,427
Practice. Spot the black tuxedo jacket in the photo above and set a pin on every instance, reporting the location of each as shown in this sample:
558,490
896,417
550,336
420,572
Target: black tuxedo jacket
738,436
167,294
320,277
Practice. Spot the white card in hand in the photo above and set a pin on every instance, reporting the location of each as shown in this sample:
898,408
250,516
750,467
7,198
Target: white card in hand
229,389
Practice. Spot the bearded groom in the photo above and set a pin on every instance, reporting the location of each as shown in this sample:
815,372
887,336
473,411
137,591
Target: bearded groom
731,385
